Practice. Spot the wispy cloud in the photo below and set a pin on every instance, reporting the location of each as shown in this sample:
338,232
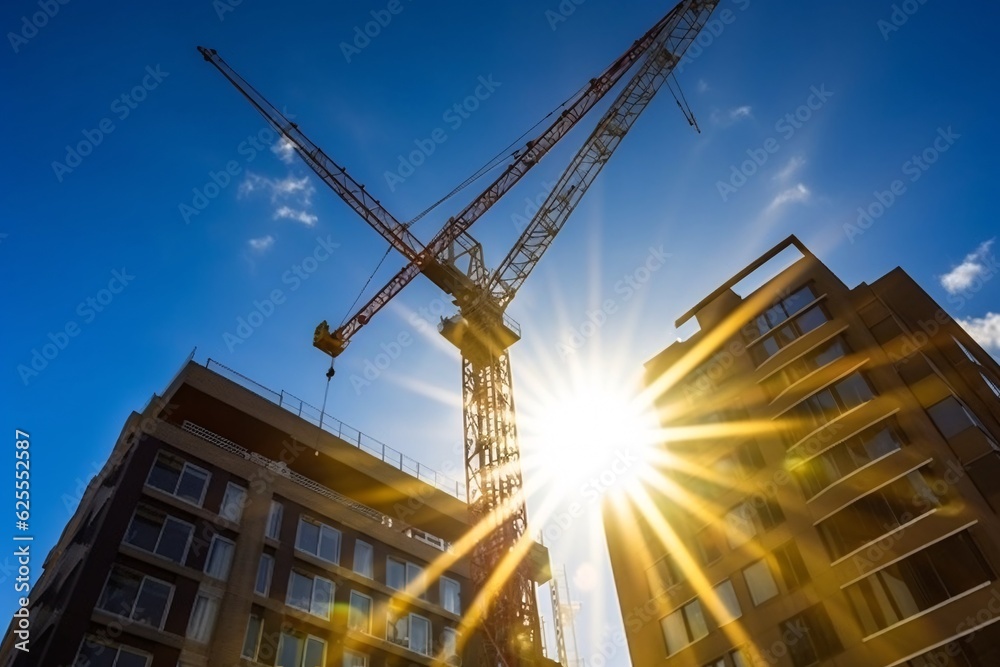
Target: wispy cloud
278,188
261,244
800,193
702,86
986,330
790,169
284,149
289,213
734,115
972,268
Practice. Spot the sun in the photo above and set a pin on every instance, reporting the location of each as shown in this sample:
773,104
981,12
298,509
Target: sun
592,437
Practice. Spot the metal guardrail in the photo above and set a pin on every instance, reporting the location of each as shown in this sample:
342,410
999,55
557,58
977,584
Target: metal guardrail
282,469
348,434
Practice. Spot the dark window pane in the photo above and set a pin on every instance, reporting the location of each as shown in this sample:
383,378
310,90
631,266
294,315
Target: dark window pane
811,319
143,532
165,474
174,540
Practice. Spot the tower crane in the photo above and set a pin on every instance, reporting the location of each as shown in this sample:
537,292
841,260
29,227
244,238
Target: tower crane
481,330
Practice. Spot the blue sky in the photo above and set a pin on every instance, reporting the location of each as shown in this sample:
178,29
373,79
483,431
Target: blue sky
881,93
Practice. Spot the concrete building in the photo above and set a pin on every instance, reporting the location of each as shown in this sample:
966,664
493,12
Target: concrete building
834,501
234,526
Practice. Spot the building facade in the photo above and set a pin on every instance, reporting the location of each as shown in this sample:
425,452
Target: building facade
831,495
228,529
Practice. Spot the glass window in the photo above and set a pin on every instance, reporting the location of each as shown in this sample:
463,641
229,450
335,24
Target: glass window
739,659
179,478
363,558
817,638
760,582
730,604
233,503
265,568
740,527
96,652
315,654
395,574
918,582
359,615
299,591
420,634
355,659
708,545
684,627
274,520
319,540
202,620
951,417
451,595
793,568
968,355
825,406
415,580
763,347
663,575
159,533
220,558
295,650
449,647
251,643
322,598
990,383
133,595
803,366
821,472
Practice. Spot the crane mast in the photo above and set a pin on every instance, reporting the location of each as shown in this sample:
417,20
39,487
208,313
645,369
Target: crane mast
480,330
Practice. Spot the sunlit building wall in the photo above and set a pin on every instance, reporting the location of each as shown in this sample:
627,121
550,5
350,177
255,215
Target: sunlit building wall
227,529
830,483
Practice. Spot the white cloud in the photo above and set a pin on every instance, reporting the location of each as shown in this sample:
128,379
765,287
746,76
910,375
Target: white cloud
261,244
799,193
790,169
740,113
972,268
285,187
288,213
986,330
285,150
732,116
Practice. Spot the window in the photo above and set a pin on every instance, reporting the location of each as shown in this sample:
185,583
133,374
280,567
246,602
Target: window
410,631
684,627
761,582
274,520
359,616
449,647
160,534
355,659
767,346
451,595
752,517
779,313
173,475
202,620
990,383
708,545
804,365
918,582
96,652
810,637
968,355
296,650
834,464
730,610
739,659
310,594
265,568
363,558
876,514
663,575
135,596
395,574
976,649
824,406
233,503
415,580
220,558
793,568
743,462
951,417
251,643
318,539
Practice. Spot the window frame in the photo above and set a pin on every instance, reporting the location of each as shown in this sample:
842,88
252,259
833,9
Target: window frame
370,571
240,505
264,557
274,520
94,640
313,579
257,640
319,539
751,587
211,550
143,579
159,537
458,594
351,609
185,465
215,598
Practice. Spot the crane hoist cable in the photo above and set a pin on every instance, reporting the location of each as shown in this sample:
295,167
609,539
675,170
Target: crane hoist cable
378,266
682,102
495,161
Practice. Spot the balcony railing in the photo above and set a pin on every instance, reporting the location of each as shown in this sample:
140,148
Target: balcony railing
348,434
